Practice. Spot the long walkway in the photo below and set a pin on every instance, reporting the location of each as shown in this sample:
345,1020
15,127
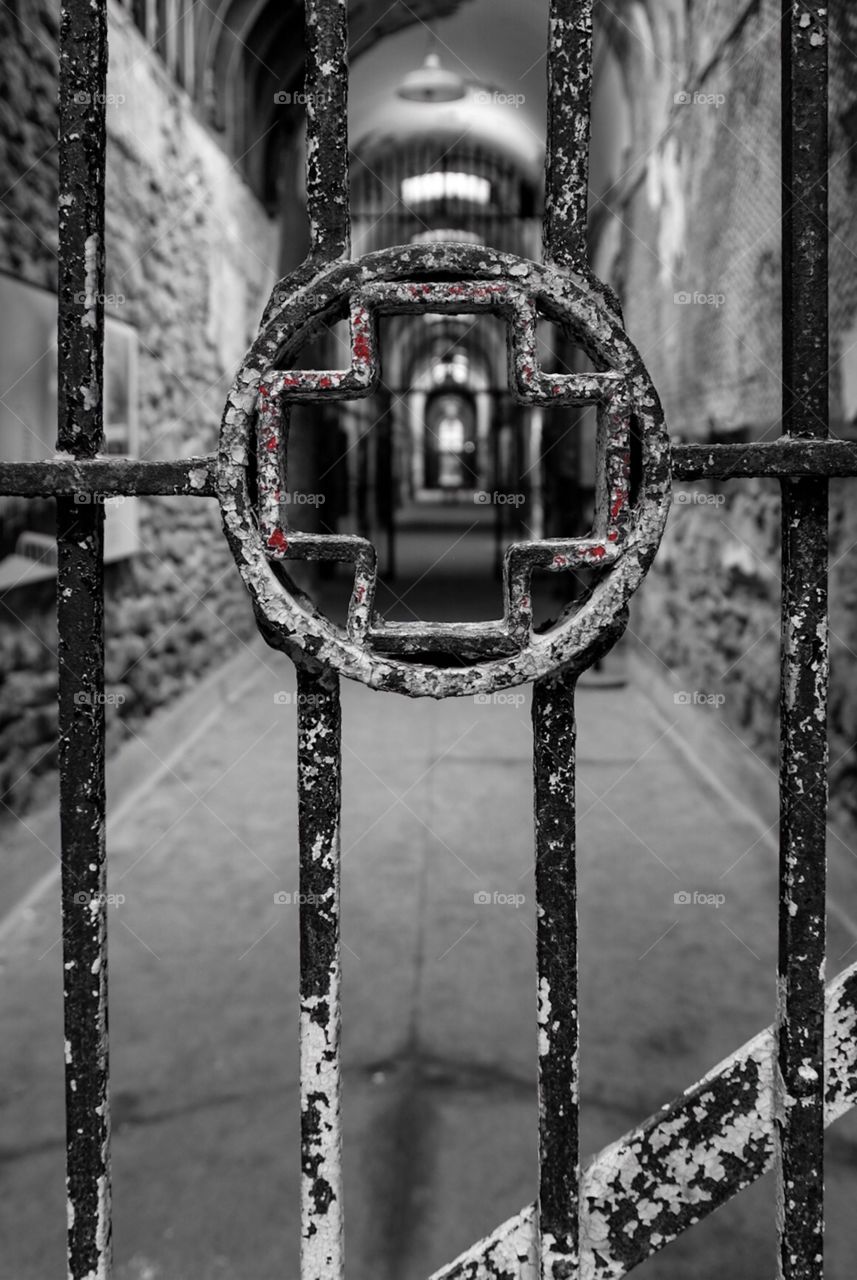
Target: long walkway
439,1007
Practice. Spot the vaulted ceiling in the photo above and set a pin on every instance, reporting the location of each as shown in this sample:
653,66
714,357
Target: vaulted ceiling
246,51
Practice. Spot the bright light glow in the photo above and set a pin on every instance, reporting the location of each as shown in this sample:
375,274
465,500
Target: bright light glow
445,185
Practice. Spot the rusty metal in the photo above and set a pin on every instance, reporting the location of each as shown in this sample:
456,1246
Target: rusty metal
767,1103
197,477
799,1084
326,63
680,1165
80,622
255,429
568,126
319,797
554,735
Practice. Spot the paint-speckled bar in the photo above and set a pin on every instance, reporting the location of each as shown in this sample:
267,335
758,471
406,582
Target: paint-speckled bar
681,1164
804,654
80,618
556,948
326,60
319,799
568,127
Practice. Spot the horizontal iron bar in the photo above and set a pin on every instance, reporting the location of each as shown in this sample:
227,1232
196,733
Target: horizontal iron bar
778,458
195,477
106,477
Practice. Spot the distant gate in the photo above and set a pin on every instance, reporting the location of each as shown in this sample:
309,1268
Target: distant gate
769,1102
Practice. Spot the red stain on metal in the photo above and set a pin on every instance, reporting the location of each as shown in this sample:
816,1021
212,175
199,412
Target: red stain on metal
277,541
271,443
595,553
612,536
618,503
362,349
560,562
325,381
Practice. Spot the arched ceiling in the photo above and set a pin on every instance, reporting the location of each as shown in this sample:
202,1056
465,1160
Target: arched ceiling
249,51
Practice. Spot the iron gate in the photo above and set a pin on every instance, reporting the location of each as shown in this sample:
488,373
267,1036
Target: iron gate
768,1103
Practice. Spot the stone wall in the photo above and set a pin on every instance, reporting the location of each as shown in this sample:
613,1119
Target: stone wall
191,258
695,254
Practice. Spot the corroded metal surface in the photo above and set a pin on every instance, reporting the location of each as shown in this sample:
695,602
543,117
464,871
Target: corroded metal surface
80,622
405,280
681,1164
556,953
765,1104
197,477
326,66
567,156
319,794
799,1083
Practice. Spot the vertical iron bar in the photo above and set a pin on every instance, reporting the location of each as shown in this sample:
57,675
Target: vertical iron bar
327,181
319,796
80,616
554,736
804,672
568,121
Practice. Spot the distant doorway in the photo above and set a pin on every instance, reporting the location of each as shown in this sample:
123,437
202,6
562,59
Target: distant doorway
450,454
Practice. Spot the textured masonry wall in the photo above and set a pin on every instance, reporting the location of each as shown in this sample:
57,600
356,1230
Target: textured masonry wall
192,254
710,606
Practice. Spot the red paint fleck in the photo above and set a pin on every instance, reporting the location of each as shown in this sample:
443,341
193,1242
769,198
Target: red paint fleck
271,443
527,371
291,382
612,536
525,602
359,594
325,381
595,552
559,562
556,389
277,541
618,503
361,348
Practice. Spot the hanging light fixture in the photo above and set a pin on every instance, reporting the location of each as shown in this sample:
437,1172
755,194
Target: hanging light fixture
432,82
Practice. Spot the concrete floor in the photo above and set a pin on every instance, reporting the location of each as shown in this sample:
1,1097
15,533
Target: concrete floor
439,1009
